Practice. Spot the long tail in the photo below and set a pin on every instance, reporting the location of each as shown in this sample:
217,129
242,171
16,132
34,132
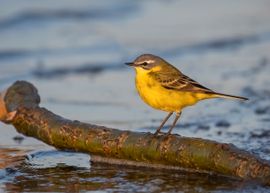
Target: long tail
220,95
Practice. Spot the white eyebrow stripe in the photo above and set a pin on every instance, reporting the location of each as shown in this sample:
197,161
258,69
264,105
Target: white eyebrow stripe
148,61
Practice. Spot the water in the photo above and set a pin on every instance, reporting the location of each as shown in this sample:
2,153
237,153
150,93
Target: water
73,52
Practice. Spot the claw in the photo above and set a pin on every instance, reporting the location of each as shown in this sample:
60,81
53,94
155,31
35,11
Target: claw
159,132
167,134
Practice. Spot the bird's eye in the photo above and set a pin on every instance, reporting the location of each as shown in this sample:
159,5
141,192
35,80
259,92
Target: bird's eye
144,64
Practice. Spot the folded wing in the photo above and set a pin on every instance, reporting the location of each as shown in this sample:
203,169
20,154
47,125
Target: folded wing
178,81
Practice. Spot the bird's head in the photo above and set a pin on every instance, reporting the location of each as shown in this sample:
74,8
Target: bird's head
148,63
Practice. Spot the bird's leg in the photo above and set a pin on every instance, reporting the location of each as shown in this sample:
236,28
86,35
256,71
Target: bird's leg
178,114
163,122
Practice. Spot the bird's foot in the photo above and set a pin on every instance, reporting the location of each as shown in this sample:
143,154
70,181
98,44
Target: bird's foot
168,134
159,133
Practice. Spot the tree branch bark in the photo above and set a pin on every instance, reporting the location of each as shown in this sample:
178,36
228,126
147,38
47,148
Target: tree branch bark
20,107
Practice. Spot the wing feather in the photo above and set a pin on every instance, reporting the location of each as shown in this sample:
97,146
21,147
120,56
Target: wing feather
178,81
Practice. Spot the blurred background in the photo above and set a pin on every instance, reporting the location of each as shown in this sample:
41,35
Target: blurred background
74,53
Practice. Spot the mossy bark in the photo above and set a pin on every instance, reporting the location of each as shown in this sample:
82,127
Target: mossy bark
128,147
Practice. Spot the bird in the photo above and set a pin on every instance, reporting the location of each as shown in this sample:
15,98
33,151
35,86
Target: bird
164,87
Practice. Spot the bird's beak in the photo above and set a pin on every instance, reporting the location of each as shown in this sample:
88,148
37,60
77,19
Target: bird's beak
130,64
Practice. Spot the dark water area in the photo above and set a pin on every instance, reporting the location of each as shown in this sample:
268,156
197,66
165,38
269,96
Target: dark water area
73,173
74,53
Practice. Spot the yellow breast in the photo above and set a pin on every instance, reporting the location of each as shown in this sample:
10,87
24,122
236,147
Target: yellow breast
152,93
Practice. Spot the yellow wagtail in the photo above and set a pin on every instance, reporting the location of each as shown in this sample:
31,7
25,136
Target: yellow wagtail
164,87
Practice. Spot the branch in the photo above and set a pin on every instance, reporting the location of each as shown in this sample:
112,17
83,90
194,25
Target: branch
20,107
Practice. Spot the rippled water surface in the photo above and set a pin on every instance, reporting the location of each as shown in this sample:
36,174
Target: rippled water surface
74,53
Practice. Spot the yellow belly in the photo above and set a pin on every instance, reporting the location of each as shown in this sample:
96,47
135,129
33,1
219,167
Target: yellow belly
164,99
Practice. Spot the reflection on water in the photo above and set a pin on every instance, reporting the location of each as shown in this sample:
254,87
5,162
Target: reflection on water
74,53
62,172
10,157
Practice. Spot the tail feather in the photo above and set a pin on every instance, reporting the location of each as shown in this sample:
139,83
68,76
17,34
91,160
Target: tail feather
220,95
